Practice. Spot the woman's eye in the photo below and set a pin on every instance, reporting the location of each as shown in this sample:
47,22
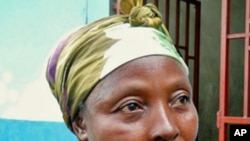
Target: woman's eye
130,107
182,100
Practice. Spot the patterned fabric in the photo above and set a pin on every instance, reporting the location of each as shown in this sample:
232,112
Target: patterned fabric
95,50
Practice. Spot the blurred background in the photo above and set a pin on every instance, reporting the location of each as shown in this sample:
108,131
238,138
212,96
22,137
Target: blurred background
30,29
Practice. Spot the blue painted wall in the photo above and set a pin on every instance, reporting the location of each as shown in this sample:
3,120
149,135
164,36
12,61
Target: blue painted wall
24,130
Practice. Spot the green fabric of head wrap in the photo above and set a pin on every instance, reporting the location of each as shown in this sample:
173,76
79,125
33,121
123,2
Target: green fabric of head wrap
95,50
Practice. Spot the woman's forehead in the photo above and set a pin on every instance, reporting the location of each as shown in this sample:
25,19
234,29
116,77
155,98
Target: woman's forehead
140,74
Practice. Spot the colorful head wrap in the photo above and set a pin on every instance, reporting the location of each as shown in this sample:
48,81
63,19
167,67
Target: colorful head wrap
95,50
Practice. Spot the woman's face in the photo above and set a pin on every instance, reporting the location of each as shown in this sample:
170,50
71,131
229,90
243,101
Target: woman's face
148,99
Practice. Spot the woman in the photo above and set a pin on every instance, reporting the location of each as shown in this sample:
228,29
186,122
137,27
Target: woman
121,79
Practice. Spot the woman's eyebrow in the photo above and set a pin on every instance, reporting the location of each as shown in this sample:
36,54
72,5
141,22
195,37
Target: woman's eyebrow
182,82
131,88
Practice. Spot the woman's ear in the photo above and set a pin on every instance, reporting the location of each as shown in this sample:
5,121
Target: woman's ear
79,128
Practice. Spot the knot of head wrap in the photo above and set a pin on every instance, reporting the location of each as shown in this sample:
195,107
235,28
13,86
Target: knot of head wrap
95,50
144,16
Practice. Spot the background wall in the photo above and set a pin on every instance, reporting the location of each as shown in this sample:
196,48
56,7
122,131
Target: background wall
28,32
209,68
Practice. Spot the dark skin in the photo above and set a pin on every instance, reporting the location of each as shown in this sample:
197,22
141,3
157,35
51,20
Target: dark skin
148,99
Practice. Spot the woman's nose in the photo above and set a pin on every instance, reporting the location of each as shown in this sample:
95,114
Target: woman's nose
163,126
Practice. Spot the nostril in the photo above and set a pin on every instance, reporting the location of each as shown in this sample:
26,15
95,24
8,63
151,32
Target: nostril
169,138
159,139
174,137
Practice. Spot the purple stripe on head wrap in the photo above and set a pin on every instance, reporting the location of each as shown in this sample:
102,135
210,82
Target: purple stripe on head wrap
51,70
